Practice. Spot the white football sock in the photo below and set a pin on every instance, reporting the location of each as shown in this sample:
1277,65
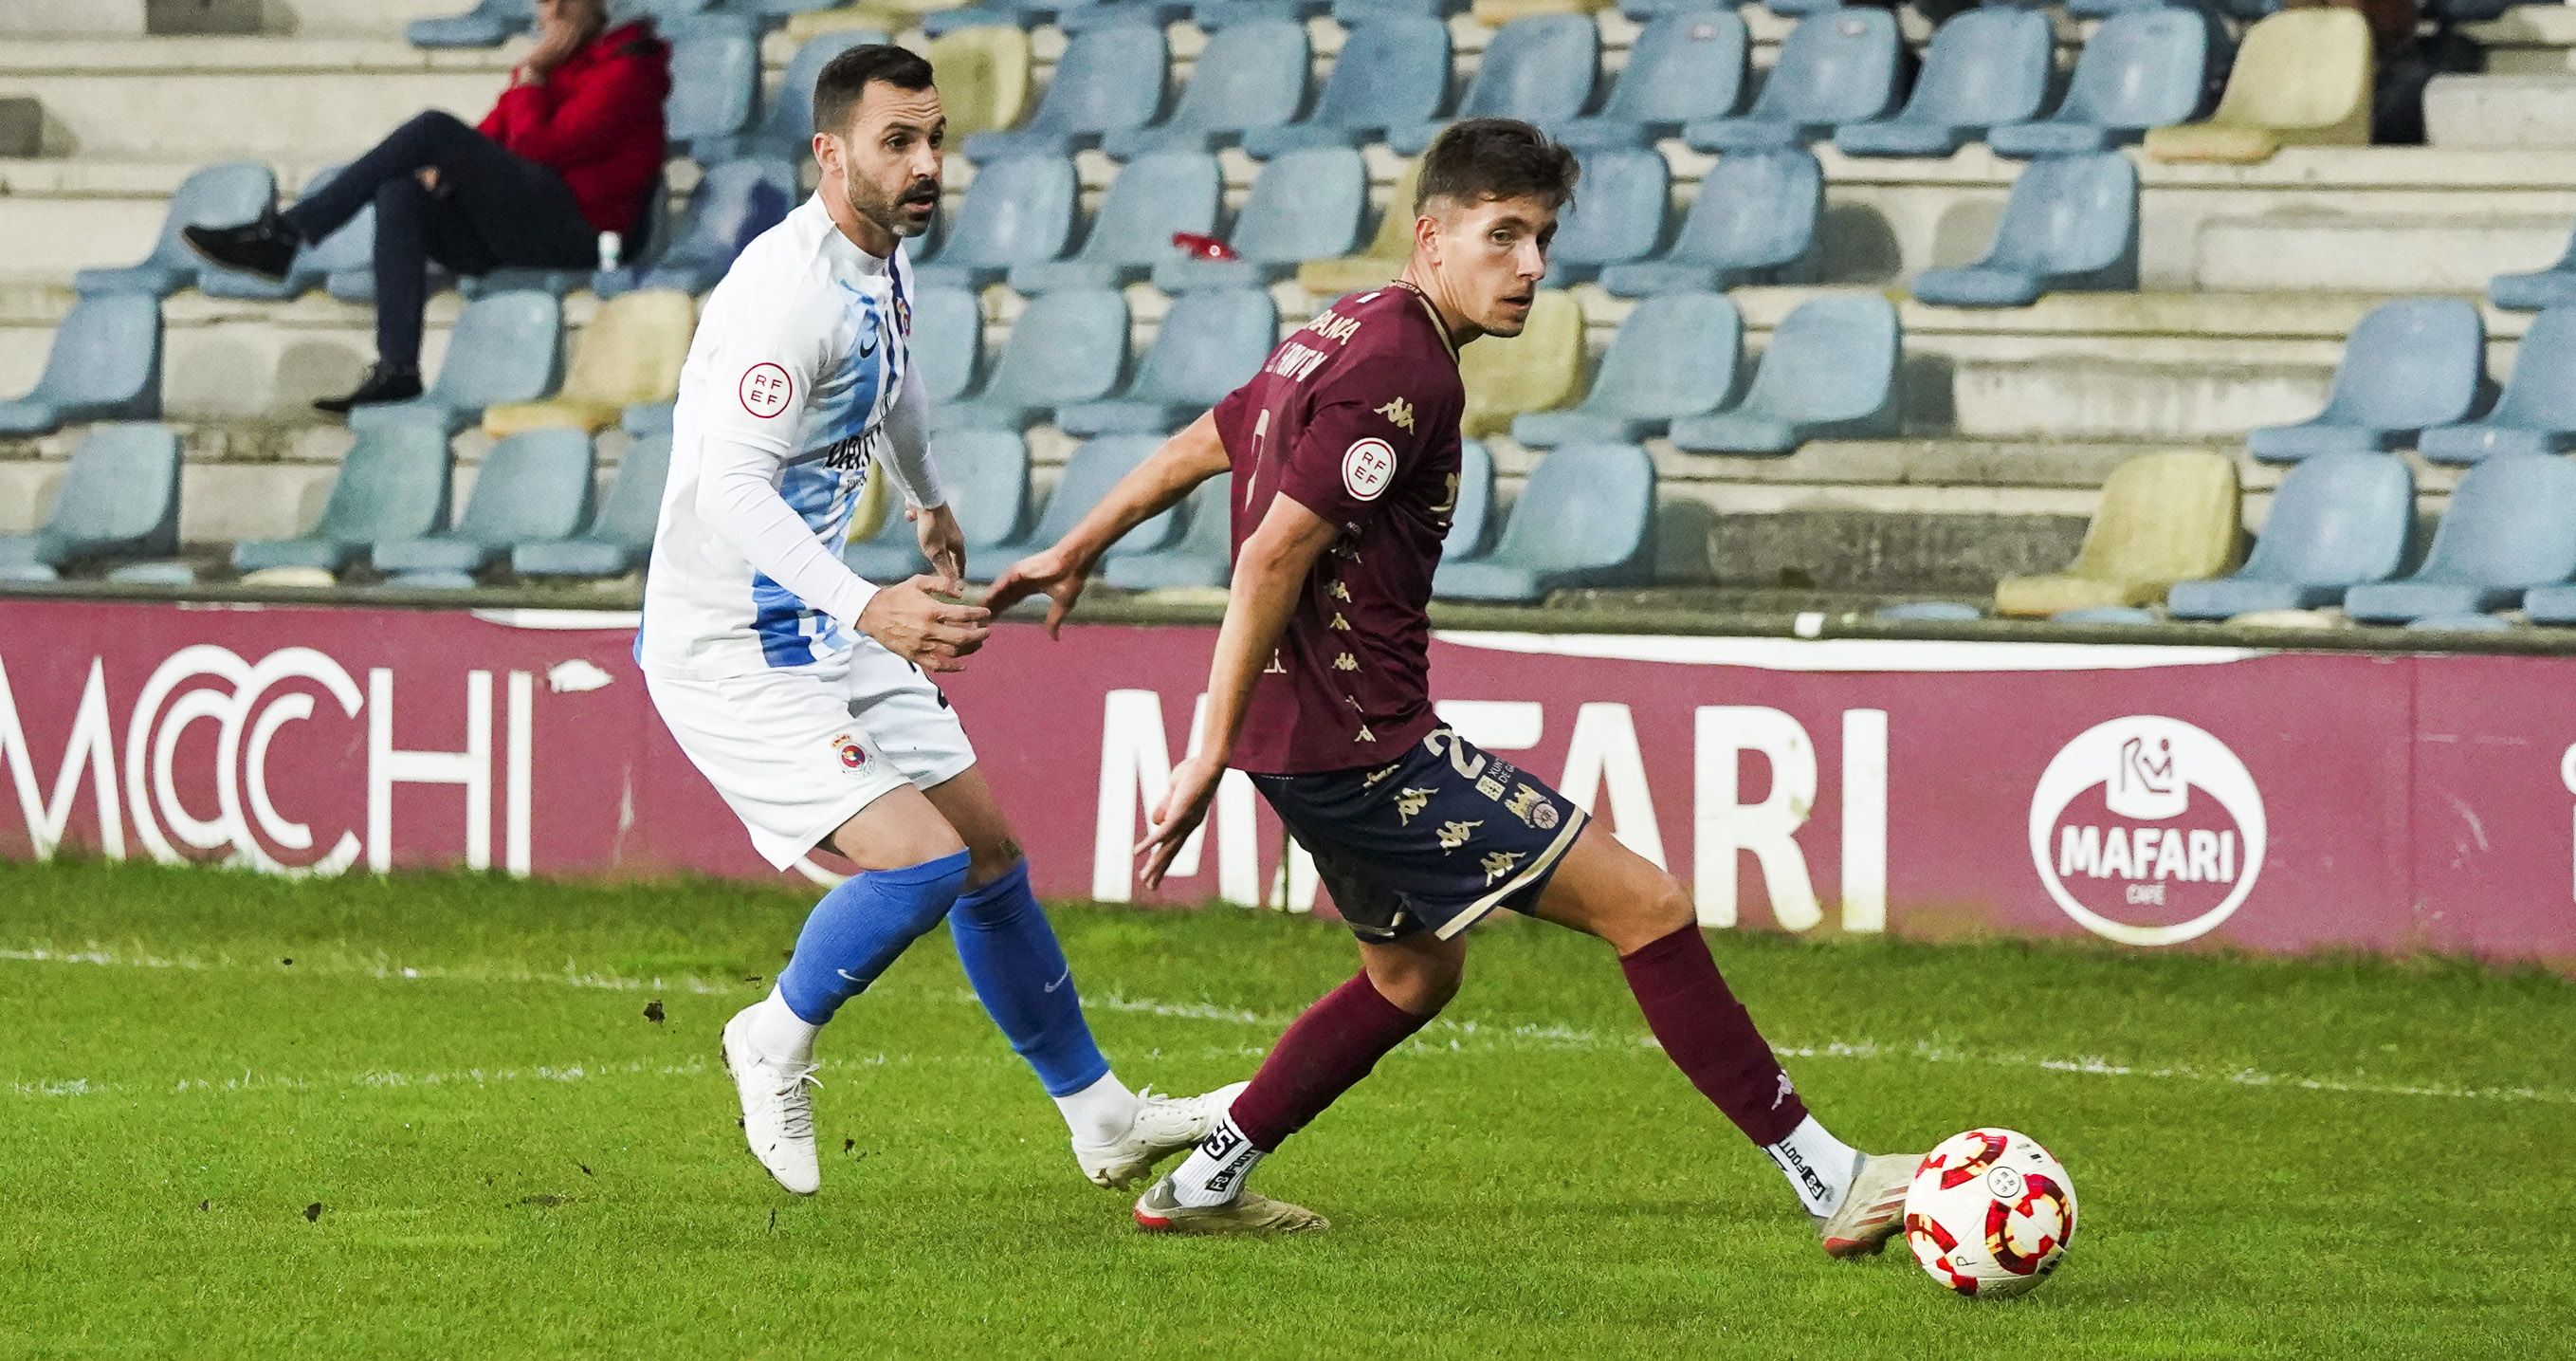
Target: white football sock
1100,1113
1214,1172
1819,1166
777,1031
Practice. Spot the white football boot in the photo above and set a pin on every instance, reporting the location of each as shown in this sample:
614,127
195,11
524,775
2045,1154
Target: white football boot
1164,1125
777,1107
1874,1207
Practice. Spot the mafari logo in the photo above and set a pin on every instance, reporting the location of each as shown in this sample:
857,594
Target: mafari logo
2147,830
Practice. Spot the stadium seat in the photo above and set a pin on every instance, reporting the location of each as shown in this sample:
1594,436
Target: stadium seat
533,487
2302,78
947,342
1674,356
1538,370
488,24
1018,211
987,474
2164,518
2142,69
772,9
2071,225
944,20
216,196
2338,520
104,365
1496,13
1109,80
2551,287
1151,198
2536,414
1067,347
1540,70
2511,526
1203,555
1837,66
1472,519
119,498
1755,219
715,81
1929,612
1211,343
1618,217
1088,475
1392,72
1250,75
984,77
631,352
1585,517
1985,67
733,203
648,418
505,347
1352,12
1385,254
621,538
349,251
1211,15
2409,364
1684,66
1306,205
392,484
786,125
1829,373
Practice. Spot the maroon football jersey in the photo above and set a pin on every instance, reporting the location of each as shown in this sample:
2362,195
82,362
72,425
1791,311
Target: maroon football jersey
1355,418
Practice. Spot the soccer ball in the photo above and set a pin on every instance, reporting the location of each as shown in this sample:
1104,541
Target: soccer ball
1989,1213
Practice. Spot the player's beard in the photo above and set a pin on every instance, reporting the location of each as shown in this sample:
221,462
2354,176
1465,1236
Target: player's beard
887,210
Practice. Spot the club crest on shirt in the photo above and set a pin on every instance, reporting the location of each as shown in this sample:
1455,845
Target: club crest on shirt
846,749
1368,467
903,317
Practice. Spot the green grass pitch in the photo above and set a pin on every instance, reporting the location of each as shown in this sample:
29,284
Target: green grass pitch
2301,1159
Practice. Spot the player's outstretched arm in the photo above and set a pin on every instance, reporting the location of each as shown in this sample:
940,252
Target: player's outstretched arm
1185,460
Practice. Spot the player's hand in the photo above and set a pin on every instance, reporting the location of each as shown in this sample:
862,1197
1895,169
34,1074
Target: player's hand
943,543
1184,807
918,624
1054,571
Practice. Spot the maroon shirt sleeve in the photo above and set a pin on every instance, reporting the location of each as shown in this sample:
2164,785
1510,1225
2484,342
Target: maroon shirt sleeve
1366,429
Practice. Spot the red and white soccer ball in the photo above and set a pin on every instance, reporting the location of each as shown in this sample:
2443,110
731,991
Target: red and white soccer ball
1989,1213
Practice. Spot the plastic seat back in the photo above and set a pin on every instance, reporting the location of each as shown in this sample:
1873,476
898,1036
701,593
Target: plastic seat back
983,78
1540,70
634,500
1684,65
393,484
506,347
1250,75
1307,205
1585,505
1831,359
1393,71
787,127
987,472
1674,356
2301,69
633,348
734,203
1068,346
352,247
219,195
1619,212
1088,476
2512,523
715,78
1537,370
2164,517
106,353
534,487
1212,342
1834,67
947,341
1108,80
1755,210
1153,197
1984,67
1471,520
2068,215
1016,211
2338,520
2142,69
2541,393
2409,364
121,493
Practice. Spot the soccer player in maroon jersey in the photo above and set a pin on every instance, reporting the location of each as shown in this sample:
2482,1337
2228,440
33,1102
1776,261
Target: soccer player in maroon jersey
1344,451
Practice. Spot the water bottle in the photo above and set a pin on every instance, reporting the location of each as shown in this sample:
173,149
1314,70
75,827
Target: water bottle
609,245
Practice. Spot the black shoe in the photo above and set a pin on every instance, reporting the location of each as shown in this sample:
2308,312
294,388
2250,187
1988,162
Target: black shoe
265,247
382,384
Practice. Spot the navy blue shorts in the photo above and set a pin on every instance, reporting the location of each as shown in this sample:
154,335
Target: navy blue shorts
1432,842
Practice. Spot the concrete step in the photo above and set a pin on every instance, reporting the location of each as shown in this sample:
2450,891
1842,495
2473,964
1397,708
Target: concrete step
2486,110
2529,39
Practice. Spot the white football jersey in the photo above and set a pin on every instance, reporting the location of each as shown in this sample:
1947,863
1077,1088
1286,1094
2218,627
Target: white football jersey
800,351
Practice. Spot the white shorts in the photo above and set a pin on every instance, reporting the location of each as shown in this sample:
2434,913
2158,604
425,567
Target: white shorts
797,753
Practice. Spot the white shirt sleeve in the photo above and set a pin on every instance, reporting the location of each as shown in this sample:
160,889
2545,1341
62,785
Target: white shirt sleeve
738,499
907,432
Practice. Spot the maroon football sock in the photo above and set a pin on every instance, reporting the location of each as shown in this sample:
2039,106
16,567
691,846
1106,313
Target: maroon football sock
1711,1037
1321,1056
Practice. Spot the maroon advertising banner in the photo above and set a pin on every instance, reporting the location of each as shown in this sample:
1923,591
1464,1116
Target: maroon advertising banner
2151,796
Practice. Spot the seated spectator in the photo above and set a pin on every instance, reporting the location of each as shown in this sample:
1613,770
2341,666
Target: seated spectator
573,149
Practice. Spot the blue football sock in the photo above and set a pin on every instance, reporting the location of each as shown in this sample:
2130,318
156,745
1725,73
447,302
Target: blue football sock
1011,956
859,928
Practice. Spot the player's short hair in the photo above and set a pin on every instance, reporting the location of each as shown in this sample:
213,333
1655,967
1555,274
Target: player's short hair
845,78
1495,158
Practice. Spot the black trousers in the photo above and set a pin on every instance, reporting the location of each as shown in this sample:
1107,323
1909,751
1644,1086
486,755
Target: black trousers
490,209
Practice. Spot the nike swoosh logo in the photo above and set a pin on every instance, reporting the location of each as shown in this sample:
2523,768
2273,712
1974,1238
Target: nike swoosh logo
1066,977
851,977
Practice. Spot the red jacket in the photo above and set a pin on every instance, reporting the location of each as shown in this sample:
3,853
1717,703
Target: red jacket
596,120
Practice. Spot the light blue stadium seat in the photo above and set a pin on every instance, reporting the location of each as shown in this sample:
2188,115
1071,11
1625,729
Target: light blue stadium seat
735,202
1675,356
1250,75
1077,17
1088,475
392,484
1203,555
1151,198
533,487
1839,66
2103,9
1015,13
1067,347
648,418
1211,343
2409,364
1393,71
1684,66
1308,204
987,474
1211,15
774,9
506,347
1540,70
1829,373
1586,517
2338,521
2552,605
2536,414
217,196
488,24
348,254
1017,212
947,342
1109,80
1348,12
2511,526
1985,67
119,499
715,79
1472,521
1755,219
1617,216
2071,225
786,124
2142,69
1928,612
665,14
2551,287
621,538
104,365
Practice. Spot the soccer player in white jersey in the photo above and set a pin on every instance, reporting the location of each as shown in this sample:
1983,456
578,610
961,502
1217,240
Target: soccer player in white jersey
801,691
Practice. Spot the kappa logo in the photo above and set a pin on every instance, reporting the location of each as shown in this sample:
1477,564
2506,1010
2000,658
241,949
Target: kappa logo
1346,662
2147,830
765,390
1786,1091
1368,469
1496,864
1409,804
846,749
1454,834
1398,413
